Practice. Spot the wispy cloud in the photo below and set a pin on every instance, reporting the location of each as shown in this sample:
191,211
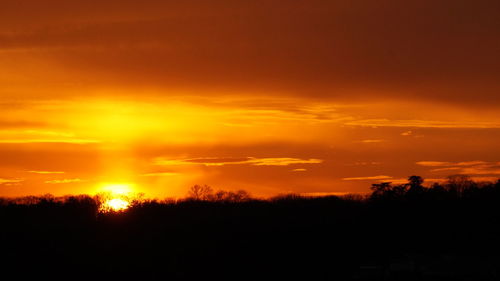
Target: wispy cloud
46,172
319,194
433,163
216,161
422,123
407,133
71,141
446,169
282,161
49,133
476,167
160,174
41,136
371,141
381,177
395,180
10,181
460,164
63,181
299,170
364,163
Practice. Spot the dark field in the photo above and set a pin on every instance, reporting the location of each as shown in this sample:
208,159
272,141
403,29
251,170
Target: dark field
406,232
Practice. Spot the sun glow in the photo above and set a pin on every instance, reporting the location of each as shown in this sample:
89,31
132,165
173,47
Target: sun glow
115,205
116,197
117,188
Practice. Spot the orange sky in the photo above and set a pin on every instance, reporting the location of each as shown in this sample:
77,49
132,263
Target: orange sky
272,97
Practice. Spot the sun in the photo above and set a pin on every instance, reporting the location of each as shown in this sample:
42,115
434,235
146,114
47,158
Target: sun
116,197
115,205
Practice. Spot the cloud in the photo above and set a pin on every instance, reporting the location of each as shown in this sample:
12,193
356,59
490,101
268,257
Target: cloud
396,181
320,194
69,141
215,161
10,181
424,124
160,174
473,163
446,169
364,163
299,170
326,49
282,161
381,177
407,133
459,164
477,178
63,181
476,167
46,172
433,163
13,136
371,141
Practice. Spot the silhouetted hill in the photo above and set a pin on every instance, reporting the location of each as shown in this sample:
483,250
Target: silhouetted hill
448,231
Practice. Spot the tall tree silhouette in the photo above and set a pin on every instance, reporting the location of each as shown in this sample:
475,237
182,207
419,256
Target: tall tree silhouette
380,190
200,192
458,184
415,186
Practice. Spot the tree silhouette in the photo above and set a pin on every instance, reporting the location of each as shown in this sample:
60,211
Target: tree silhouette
458,184
229,196
380,190
200,192
415,181
415,186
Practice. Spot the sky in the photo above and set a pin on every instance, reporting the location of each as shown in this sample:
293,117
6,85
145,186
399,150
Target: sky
274,97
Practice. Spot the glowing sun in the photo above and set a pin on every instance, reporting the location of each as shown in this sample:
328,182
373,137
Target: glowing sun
116,197
115,204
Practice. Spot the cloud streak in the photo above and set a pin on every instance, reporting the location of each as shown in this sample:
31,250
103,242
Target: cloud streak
46,172
215,161
381,177
467,167
10,181
160,174
424,124
62,181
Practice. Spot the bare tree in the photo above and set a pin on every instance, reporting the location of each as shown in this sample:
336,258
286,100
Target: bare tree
230,196
459,183
200,192
241,196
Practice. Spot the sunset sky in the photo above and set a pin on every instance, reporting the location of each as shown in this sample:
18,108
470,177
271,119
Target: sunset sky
311,97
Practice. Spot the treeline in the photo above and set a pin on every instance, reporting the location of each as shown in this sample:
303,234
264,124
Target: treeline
410,231
454,188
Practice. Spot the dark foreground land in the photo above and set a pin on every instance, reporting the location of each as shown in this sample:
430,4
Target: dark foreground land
404,232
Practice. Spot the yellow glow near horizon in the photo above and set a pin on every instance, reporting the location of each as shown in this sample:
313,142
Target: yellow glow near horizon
117,196
121,121
117,188
115,205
